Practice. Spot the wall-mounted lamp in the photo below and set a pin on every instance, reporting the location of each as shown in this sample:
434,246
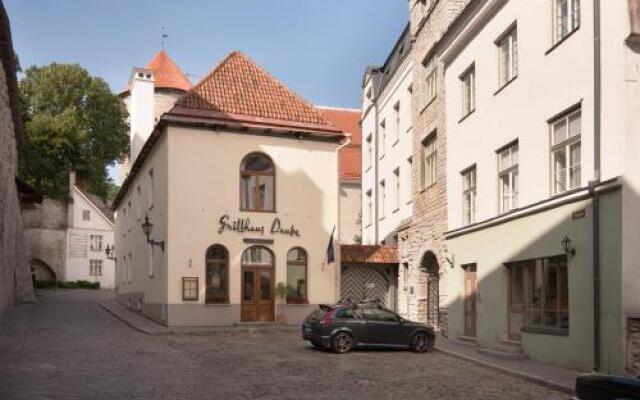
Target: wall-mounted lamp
110,252
146,228
566,245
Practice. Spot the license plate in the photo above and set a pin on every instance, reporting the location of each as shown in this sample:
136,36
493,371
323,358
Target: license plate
308,329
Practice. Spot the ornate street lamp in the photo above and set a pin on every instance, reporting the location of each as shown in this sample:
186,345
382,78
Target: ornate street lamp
110,252
146,228
566,245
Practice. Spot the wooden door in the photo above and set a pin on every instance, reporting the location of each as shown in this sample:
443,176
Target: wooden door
257,295
470,296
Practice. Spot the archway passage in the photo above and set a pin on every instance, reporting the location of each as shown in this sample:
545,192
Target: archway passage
430,266
42,271
365,283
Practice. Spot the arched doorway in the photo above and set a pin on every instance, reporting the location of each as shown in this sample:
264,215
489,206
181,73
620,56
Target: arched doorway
257,285
361,283
429,265
42,271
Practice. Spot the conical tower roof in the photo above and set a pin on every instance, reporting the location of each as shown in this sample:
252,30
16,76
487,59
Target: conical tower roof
167,74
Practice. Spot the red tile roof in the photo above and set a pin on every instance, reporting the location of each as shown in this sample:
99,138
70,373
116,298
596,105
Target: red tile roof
238,89
347,121
167,74
363,254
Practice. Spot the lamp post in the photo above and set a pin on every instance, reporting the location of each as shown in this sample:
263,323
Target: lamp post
147,226
110,252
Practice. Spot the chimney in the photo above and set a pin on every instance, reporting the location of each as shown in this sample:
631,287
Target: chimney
72,180
142,118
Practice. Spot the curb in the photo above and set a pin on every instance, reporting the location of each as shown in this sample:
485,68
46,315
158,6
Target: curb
528,377
132,325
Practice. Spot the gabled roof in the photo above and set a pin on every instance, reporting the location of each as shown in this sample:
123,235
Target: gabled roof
167,74
97,203
347,120
368,254
239,90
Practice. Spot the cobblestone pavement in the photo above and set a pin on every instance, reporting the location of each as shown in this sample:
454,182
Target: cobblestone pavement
67,347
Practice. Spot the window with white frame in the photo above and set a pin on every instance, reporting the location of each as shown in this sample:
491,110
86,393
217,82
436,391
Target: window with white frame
508,56
431,70
95,242
408,178
508,178
150,189
130,259
396,184
369,150
469,196
95,267
86,215
468,79
566,18
139,203
124,221
383,198
130,216
396,110
429,158
382,138
369,207
565,152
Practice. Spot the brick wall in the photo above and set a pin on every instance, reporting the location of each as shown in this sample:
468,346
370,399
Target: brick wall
15,279
429,220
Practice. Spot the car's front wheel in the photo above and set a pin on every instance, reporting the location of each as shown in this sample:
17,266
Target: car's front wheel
422,342
342,342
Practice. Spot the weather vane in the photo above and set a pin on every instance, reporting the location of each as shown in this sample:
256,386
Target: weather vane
164,36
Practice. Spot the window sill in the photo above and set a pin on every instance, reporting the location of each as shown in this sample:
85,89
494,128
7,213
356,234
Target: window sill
409,202
382,219
395,143
543,331
259,211
368,226
217,304
381,157
507,83
367,169
467,115
395,210
428,104
559,42
424,189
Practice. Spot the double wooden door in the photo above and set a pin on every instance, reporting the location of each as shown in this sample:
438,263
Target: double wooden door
257,294
470,298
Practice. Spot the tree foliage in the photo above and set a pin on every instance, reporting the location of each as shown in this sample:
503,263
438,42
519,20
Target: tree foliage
72,121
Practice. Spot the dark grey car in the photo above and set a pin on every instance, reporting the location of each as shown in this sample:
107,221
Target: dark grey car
344,326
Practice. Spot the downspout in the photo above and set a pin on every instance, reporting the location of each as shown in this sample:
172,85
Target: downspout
375,164
597,126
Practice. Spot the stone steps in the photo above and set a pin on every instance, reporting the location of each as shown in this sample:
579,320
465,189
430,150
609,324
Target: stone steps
466,341
507,350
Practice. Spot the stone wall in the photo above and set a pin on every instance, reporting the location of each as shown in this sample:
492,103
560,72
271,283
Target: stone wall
633,346
429,21
46,233
15,279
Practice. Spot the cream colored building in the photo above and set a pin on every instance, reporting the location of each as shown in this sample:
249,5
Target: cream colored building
542,177
241,182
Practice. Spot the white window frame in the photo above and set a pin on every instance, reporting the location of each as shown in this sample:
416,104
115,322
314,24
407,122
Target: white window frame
370,151
86,215
429,159
368,195
382,140
396,199
566,19
507,56
468,81
570,177
508,171
431,66
95,267
139,203
469,182
396,109
151,189
95,242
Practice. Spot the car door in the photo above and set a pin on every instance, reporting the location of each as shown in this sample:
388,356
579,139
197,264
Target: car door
384,327
352,319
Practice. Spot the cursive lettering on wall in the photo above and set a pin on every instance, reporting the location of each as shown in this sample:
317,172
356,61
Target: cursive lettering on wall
244,225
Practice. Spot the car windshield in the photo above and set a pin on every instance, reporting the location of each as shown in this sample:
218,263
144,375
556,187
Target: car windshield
379,314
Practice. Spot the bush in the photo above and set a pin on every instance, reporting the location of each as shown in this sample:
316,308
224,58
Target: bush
68,285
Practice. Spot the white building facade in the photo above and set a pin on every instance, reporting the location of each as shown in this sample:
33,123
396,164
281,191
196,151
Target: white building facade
542,179
387,146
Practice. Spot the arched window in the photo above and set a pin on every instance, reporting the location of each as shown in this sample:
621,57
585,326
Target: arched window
257,183
257,256
217,275
297,276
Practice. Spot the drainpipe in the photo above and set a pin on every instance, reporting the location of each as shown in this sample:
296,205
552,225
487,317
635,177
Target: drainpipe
375,163
597,119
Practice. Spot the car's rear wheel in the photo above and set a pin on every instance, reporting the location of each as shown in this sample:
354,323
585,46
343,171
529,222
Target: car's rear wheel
422,342
342,342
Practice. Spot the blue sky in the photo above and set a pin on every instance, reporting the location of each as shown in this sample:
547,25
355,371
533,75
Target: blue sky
319,48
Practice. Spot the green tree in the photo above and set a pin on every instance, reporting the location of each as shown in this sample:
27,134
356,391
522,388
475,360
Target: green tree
72,121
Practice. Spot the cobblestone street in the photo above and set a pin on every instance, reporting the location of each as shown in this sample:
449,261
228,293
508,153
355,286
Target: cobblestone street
67,347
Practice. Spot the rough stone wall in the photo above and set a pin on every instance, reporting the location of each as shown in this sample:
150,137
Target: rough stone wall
633,346
46,233
15,279
429,220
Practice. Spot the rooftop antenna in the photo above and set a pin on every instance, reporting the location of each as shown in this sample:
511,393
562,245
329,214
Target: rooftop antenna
164,36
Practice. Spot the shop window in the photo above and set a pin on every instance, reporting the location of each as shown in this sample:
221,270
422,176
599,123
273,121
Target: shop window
297,276
217,275
257,183
190,288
